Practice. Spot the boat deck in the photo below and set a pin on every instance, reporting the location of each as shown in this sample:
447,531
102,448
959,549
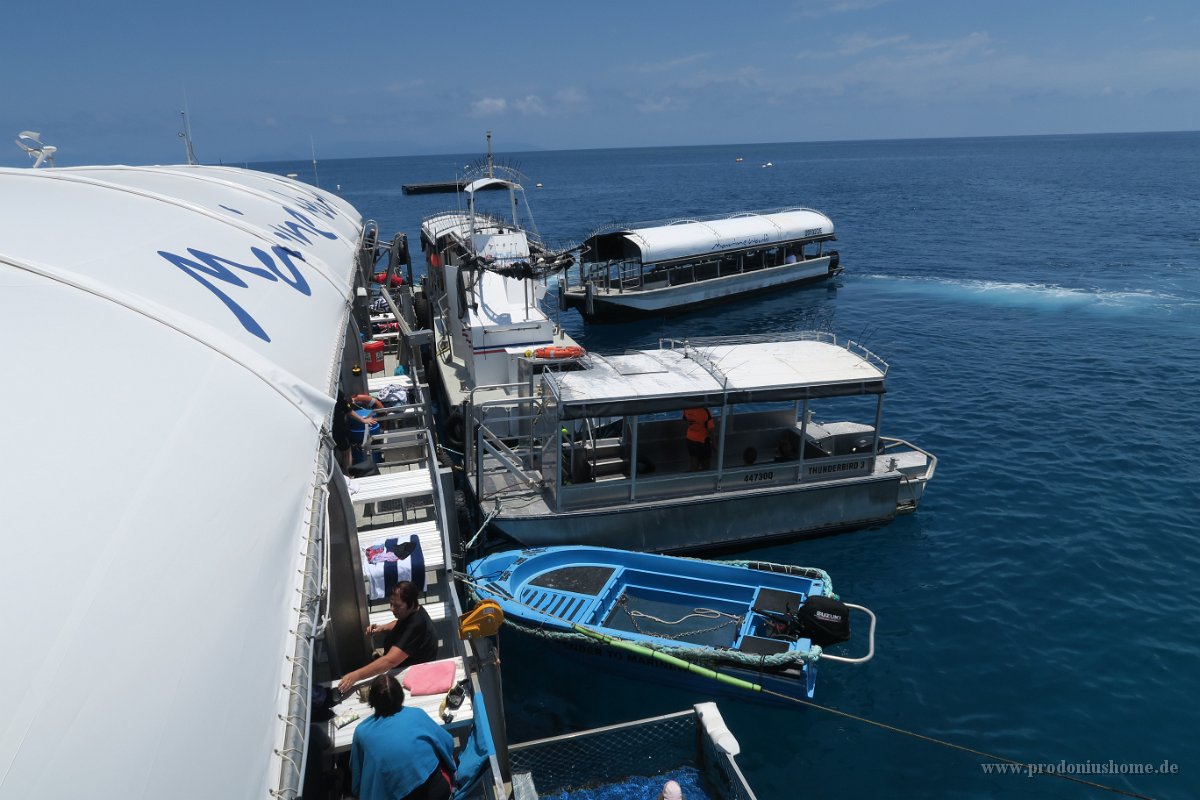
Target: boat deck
399,503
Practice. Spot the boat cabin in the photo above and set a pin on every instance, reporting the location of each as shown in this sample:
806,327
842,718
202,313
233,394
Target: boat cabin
603,455
628,271
623,433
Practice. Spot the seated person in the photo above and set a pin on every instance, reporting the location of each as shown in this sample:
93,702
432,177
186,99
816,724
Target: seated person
411,639
399,753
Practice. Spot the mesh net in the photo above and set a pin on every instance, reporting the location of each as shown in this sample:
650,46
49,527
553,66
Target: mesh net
631,761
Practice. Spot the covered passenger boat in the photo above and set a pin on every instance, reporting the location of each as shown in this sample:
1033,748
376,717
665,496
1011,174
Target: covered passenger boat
608,455
635,271
174,338
760,623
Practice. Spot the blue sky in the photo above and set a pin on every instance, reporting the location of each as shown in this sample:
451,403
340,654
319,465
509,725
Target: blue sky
105,82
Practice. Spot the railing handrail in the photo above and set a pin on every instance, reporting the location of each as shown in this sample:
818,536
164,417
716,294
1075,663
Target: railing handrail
870,640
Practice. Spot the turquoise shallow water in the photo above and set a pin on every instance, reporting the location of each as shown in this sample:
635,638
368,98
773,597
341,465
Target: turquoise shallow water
1039,303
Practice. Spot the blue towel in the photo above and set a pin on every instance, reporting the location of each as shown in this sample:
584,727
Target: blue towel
473,760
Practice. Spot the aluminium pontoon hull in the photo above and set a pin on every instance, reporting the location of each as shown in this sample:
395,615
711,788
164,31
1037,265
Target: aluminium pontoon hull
614,304
716,520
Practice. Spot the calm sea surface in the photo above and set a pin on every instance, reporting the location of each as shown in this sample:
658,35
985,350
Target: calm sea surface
1038,300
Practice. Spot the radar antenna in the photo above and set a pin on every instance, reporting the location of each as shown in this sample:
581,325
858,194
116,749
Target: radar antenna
30,142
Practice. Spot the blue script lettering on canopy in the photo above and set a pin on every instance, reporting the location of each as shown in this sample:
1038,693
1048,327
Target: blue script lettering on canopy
749,241
218,267
202,265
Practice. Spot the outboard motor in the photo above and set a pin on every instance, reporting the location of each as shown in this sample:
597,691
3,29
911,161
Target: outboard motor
823,620
834,262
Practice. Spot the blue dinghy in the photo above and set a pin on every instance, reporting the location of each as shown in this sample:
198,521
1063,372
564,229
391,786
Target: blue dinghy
767,624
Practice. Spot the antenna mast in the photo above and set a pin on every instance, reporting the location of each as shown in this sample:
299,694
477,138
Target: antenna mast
491,173
186,135
313,145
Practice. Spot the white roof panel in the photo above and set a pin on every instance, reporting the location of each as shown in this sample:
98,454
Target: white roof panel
163,453
687,239
656,380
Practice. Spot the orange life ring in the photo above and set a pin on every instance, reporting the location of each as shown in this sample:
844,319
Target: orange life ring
366,401
559,352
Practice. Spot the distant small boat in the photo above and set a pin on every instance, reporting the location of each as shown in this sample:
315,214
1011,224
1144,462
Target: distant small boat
762,623
738,159
768,164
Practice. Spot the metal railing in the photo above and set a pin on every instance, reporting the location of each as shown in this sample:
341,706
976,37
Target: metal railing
614,754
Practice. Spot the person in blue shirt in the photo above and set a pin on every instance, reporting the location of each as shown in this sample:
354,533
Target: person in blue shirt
399,753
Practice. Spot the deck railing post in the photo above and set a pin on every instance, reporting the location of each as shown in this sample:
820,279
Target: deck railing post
633,451
803,441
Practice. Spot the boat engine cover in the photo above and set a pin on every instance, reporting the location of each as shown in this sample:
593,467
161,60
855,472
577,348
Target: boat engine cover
823,620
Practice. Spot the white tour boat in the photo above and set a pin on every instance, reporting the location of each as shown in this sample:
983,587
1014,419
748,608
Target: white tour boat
603,457
635,271
483,293
174,339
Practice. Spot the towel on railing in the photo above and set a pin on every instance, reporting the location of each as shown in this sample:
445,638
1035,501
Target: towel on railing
385,565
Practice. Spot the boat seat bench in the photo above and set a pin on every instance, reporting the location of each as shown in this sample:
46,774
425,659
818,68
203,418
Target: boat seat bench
430,704
400,485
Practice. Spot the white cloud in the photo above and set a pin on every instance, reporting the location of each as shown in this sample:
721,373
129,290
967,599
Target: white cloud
570,98
860,43
530,104
489,107
671,64
661,105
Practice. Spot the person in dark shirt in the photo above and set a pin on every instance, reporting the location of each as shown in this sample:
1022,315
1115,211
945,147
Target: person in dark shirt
411,639
341,431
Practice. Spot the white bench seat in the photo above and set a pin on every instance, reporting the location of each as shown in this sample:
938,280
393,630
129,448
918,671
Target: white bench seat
430,704
399,485
378,382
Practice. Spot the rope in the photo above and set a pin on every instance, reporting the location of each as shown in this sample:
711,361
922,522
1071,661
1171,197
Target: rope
702,613
487,520
952,745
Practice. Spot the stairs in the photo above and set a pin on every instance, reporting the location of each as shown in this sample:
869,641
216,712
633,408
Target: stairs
605,462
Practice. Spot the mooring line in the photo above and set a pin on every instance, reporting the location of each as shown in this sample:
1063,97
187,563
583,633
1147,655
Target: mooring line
749,686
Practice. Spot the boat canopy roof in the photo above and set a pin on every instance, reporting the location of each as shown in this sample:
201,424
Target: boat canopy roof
687,240
173,337
669,379
481,184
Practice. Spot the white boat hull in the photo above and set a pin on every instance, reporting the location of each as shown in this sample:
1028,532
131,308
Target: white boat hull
643,301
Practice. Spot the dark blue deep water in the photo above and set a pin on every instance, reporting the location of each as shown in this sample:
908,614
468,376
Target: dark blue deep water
1038,300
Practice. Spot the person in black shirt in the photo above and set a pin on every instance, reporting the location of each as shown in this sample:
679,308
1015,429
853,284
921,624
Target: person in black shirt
411,639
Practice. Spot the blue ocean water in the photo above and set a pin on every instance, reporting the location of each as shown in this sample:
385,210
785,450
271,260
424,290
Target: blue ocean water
1038,299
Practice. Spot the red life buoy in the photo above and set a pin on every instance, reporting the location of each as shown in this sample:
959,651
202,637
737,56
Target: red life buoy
380,277
366,401
559,352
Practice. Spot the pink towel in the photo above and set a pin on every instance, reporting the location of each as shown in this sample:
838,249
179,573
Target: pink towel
435,677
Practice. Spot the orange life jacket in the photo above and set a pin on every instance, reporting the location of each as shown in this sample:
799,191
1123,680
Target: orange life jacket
700,422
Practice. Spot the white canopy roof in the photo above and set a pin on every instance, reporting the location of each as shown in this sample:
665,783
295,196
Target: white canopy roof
647,381
172,337
689,239
489,183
